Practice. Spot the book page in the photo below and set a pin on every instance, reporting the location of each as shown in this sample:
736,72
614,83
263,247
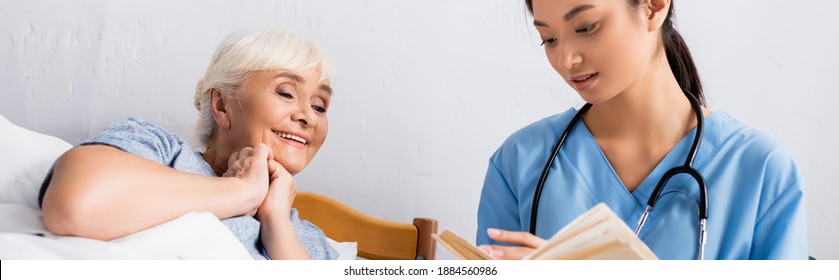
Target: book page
597,234
460,247
615,250
593,233
595,215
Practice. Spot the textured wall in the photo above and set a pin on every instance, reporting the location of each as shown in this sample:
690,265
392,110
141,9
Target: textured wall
426,89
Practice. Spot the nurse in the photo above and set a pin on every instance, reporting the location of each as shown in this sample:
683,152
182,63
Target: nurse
626,58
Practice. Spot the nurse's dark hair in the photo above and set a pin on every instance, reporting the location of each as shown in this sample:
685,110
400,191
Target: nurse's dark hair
678,55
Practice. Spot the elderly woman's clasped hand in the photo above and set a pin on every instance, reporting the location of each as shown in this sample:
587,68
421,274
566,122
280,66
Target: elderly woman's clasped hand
270,186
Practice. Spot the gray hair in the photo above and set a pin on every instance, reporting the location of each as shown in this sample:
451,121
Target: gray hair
243,53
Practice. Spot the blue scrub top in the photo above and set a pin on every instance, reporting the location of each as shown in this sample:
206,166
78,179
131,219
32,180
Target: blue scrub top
755,196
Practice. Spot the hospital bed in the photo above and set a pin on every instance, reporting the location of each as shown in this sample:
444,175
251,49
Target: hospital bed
26,156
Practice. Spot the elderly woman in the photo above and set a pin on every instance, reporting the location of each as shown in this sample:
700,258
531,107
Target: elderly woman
262,106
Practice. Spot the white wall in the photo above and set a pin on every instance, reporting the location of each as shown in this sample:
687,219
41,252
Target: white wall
426,89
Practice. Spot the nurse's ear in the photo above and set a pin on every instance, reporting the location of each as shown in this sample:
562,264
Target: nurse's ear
655,12
218,104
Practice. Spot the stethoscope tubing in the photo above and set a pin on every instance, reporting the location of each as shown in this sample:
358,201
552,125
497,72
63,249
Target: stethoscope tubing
538,194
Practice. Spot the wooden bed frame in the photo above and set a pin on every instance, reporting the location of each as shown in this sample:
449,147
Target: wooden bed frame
377,239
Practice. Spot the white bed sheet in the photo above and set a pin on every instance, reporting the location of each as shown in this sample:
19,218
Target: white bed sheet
192,236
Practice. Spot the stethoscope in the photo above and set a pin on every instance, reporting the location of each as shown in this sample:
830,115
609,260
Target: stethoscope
686,168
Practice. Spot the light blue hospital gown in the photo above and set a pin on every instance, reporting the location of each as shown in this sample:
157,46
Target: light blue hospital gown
145,139
755,195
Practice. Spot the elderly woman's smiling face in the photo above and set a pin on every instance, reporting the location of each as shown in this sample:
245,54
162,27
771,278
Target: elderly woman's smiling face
286,111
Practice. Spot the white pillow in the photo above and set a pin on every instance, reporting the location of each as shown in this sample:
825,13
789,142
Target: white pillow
26,158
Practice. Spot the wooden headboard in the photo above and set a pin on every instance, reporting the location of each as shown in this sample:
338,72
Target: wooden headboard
377,239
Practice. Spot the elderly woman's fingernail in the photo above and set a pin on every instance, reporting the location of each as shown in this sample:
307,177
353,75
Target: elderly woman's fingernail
493,232
497,254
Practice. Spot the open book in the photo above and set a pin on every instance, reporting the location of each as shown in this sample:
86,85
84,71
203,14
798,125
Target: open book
598,234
